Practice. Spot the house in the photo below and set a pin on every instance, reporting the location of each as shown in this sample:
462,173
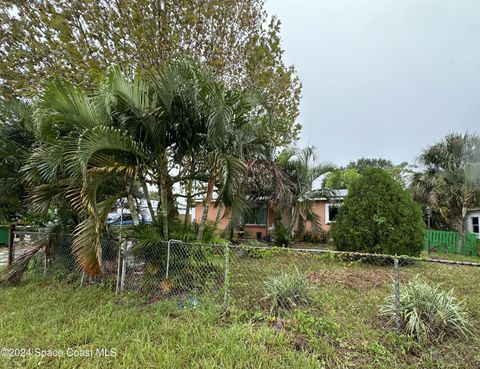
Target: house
260,221
473,218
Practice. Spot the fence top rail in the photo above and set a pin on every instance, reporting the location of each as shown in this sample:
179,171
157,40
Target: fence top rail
432,231
360,254
26,233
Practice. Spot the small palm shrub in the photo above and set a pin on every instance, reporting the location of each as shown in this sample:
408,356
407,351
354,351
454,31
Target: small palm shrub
428,311
287,291
188,232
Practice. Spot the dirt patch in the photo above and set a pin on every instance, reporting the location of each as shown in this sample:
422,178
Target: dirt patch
300,343
356,279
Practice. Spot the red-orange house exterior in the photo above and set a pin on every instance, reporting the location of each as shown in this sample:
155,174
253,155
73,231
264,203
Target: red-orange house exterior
324,208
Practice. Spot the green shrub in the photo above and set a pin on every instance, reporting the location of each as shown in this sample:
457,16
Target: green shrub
313,326
428,312
282,235
286,291
188,232
378,216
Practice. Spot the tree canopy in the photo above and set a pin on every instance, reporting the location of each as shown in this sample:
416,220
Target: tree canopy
78,40
89,149
449,180
341,178
378,216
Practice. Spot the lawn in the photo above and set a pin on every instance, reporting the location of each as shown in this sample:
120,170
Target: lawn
340,328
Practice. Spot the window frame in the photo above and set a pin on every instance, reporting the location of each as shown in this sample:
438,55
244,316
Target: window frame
247,224
477,225
327,211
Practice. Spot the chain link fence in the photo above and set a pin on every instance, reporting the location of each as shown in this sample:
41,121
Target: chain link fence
258,281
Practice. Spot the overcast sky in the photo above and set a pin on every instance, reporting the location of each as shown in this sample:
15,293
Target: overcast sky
382,78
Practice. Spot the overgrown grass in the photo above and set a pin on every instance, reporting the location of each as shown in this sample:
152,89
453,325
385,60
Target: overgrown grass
340,328
287,291
428,311
48,315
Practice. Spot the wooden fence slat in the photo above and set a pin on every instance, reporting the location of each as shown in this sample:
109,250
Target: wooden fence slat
447,241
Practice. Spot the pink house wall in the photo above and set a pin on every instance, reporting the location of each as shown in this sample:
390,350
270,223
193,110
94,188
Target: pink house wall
251,230
318,207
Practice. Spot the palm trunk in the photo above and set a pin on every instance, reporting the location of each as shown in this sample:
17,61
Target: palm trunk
292,223
162,189
172,210
147,198
163,202
131,205
220,214
206,206
189,199
462,229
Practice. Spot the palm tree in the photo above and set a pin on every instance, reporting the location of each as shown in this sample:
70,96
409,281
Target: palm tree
16,140
302,170
134,130
229,143
82,163
450,180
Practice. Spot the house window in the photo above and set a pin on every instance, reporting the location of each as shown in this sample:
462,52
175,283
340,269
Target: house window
331,211
257,216
475,225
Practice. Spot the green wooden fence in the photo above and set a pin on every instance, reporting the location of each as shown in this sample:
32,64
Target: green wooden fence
4,231
446,242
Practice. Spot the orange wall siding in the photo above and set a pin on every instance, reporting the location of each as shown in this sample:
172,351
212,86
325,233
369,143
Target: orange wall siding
251,230
212,215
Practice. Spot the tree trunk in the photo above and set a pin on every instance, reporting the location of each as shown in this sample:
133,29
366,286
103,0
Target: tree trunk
220,214
172,210
164,204
206,206
292,222
162,191
461,231
189,199
131,205
147,198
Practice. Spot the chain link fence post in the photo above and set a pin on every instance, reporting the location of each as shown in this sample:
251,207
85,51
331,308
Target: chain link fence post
169,243
124,264
167,269
48,254
396,280
225,279
119,268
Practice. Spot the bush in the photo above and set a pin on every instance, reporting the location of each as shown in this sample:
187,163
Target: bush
188,232
428,311
378,216
282,235
319,236
287,291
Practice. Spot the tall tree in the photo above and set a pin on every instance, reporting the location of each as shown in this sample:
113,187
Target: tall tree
344,177
450,179
16,141
302,169
364,163
134,130
79,39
